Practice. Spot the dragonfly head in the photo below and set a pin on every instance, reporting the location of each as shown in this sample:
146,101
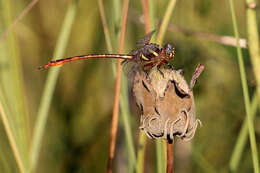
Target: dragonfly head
169,51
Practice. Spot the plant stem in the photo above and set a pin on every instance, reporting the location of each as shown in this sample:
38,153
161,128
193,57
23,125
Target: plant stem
124,104
50,85
253,41
169,168
114,123
12,86
148,13
242,138
18,19
104,23
245,93
141,152
160,144
221,39
145,7
160,155
123,97
165,21
10,137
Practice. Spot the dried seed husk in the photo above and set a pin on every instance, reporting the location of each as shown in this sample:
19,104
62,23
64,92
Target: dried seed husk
166,103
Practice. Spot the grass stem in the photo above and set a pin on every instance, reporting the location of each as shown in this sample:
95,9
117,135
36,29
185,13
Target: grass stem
114,123
165,21
245,93
19,18
253,41
50,85
141,152
12,87
105,27
10,136
160,155
123,97
242,138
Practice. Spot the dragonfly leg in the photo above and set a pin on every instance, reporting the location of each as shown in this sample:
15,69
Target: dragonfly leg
150,64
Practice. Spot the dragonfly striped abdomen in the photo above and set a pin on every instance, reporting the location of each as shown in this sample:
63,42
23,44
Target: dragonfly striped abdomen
147,55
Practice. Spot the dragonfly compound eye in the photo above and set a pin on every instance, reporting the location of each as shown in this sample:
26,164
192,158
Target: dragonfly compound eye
169,50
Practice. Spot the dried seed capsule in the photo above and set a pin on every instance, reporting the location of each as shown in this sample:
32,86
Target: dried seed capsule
166,102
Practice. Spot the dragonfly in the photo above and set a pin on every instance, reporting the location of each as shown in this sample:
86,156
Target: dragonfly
147,55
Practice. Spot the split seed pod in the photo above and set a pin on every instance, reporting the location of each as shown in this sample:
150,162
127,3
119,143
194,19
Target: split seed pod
166,102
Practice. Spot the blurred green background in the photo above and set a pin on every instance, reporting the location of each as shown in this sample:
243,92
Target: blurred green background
77,130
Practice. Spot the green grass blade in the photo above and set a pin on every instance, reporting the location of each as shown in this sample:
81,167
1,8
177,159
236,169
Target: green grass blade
141,152
124,105
152,12
165,22
50,85
116,5
7,163
161,155
105,27
11,80
242,138
245,93
253,41
10,135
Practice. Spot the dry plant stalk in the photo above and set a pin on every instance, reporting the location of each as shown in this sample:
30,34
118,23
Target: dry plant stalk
166,102
169,168
18,19
114,122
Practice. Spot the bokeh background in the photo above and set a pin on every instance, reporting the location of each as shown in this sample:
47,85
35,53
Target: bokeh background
76,137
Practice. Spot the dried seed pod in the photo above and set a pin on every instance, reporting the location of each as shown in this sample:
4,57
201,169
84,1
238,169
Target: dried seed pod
166,102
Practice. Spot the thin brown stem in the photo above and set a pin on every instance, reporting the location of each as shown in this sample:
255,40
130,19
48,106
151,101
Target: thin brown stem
169,168
146,16
226,40
142,135
221,39
114,123
20,17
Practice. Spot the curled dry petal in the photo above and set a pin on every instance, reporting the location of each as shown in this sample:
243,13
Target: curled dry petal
199,69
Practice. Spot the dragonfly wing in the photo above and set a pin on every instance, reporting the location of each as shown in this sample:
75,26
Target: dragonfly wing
146,39
130,67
